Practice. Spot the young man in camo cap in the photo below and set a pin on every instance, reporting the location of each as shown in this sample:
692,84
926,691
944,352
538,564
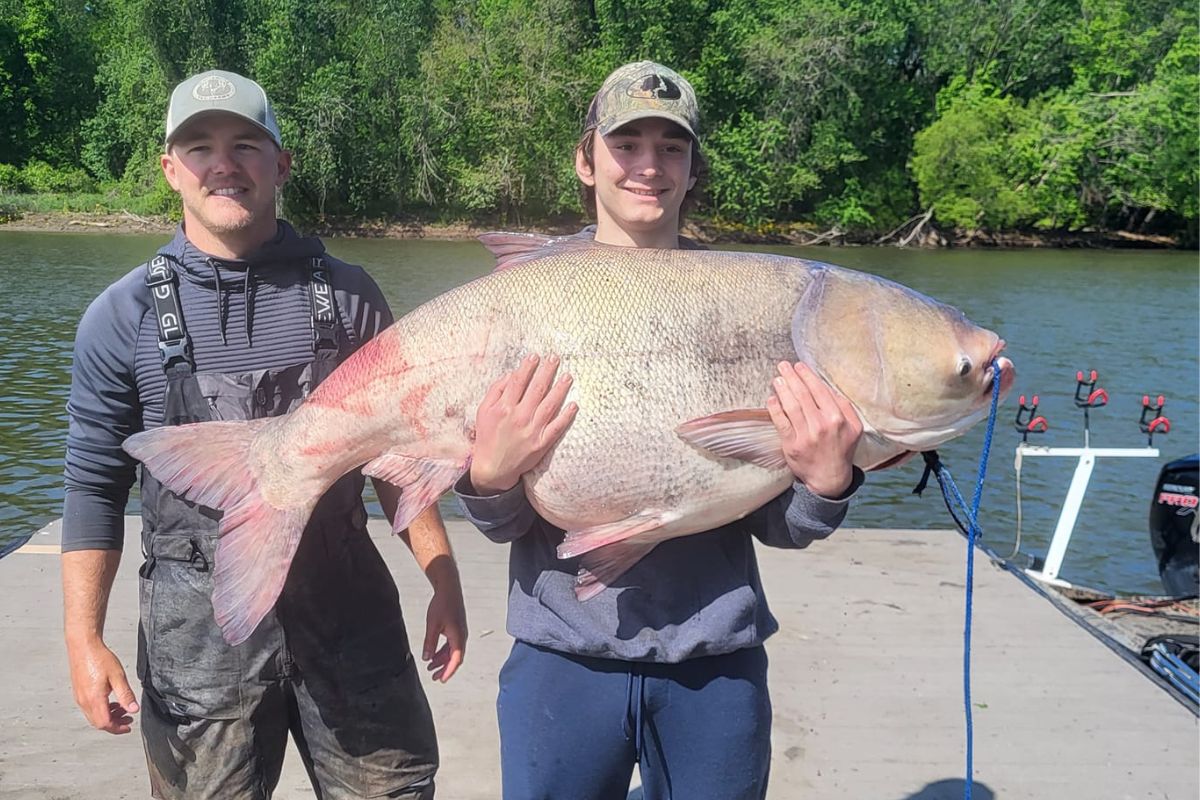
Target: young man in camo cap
666,669
639,161
231,320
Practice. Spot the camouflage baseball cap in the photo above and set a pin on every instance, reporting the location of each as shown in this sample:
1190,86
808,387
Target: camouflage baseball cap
217,90
640,90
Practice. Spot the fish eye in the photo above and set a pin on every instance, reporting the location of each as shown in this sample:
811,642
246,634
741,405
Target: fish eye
964,367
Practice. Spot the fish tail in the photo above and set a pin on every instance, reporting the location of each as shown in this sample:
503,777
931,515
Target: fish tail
209,464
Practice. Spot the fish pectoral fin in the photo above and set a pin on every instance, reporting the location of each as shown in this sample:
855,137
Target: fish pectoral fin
421,481
583,541
601,568
746,434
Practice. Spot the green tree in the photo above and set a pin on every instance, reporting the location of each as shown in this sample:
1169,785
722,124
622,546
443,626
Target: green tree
1021,47
148,46
48,57
1051,114
15,84
501,103
965,164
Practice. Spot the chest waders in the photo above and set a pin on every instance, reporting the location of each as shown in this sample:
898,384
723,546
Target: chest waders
216,717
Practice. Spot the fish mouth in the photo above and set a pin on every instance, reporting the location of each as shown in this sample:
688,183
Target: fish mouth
1008,372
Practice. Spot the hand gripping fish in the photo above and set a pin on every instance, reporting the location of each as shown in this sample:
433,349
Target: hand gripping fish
672,354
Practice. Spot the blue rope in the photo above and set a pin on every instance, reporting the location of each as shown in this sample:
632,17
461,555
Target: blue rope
946,481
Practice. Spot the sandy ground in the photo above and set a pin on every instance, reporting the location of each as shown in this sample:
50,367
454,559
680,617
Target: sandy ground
866,682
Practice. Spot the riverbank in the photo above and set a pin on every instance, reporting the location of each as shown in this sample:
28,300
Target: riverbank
706,231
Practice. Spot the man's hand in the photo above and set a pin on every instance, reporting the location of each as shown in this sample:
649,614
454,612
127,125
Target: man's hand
520,418
446,618
819,427
96,673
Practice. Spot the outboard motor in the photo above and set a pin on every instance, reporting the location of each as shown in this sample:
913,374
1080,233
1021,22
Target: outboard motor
1173,531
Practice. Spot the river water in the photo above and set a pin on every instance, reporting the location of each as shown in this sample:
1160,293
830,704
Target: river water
1130,315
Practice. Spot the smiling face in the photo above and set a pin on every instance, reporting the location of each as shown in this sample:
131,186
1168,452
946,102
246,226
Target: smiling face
641,173
226,170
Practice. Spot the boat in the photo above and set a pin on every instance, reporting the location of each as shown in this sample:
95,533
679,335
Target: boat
1157,634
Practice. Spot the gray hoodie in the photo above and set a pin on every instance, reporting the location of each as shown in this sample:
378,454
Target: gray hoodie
697,595
244,315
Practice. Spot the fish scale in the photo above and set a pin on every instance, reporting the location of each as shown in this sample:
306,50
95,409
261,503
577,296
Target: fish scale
672,354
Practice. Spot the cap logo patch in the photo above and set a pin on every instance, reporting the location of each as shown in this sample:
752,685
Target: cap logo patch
214,87
654,87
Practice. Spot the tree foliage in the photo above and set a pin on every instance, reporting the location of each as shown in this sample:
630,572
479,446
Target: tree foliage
859,114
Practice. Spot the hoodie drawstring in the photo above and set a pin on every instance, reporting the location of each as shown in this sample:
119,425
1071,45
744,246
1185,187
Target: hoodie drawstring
246,306
223,310
212,264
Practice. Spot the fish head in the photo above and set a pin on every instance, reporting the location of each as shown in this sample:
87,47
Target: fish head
918,371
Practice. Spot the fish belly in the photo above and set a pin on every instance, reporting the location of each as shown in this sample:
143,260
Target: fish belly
650,349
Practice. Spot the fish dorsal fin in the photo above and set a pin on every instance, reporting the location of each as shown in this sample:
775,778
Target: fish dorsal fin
513,249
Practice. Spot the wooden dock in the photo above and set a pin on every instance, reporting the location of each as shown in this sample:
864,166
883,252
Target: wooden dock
866,682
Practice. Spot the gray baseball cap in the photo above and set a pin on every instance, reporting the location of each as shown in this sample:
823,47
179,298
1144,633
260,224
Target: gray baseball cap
220,91
640,90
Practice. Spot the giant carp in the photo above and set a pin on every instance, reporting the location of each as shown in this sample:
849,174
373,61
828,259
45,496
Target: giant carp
672,353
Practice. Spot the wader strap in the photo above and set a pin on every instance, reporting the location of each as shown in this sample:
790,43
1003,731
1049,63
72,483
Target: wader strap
174,346
324,314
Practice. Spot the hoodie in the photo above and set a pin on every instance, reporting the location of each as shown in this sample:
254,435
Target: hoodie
690,597
243,315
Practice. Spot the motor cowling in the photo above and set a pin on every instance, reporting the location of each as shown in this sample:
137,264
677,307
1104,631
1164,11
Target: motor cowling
1173,526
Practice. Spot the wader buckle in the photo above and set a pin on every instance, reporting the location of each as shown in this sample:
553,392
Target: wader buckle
174,351
198,560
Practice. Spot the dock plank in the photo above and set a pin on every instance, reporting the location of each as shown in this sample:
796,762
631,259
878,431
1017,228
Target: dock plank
866,682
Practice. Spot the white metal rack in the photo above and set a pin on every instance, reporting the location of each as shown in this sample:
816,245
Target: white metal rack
1087,397
1070,511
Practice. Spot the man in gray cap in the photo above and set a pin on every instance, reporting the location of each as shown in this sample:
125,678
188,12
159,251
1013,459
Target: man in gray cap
231,321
